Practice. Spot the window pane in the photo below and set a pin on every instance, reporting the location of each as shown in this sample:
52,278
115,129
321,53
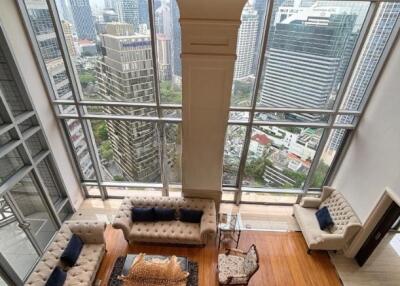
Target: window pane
29,202
280,157
66,212
232,153
128,150
168,34
308,51
110,46
173,135
46,172
335,140
77,138
10,164
247,49
128,191
291,117
9,88
40,18
36,143
254,197
371,54
15,246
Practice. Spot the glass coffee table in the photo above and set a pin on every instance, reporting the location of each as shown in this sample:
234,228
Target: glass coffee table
229,227
131,257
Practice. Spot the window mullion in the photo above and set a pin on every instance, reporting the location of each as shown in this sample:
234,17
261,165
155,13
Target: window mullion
259,73
76,92
342,91
160,125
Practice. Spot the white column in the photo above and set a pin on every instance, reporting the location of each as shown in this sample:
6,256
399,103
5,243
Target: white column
209,36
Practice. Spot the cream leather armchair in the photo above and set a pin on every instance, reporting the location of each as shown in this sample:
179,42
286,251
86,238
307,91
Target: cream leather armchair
346,222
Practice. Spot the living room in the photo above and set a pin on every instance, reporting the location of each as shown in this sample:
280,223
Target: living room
171,142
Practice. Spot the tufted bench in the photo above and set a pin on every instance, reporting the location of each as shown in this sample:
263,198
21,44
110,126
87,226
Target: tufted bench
346,223
84,272
175,232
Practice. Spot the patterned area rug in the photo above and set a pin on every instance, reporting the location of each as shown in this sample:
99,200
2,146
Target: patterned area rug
119,264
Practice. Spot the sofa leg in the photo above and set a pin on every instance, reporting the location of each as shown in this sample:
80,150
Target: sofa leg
309,251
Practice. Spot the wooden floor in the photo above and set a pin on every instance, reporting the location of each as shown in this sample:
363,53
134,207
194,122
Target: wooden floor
283,259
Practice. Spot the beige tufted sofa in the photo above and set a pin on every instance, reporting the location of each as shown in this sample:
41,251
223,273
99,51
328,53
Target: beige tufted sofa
85,269
346,223
167,231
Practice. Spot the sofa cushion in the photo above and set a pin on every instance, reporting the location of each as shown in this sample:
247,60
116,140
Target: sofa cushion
190,215
72,251
169,231
57,277
324,218
143,214
308,223
341,212
164,214
83,273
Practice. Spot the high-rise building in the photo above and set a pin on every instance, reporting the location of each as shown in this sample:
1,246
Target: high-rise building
306,57
127,59
143,12
246,43
176,40
109,15
164,57
47,41
128,12
163,20
376,42
69,39
83,19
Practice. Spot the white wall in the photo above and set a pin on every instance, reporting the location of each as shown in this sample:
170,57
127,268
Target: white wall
19,44
373,160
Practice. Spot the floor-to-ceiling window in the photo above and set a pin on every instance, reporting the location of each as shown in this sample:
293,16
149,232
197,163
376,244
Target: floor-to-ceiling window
33,201
300,87
115,75
302,77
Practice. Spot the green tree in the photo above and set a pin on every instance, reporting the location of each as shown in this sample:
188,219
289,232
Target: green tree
87,77
256,168
298,177
241,92
118,178
100,131
106,151
169,93
319,175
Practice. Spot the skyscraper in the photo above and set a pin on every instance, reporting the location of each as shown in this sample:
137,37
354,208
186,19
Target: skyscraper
305,58
176,40
47,41
143,12
83,19
164,57
69,39
127,59
246,43
376,42
128,12
163,21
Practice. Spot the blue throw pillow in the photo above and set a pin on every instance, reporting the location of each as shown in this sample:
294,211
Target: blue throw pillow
57,277
143,214
72,251
188,215
324,218
164,214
